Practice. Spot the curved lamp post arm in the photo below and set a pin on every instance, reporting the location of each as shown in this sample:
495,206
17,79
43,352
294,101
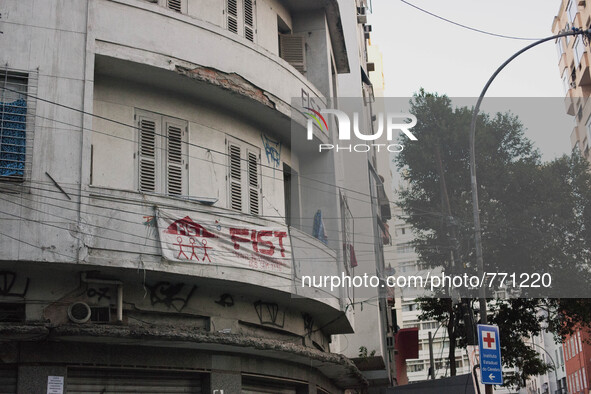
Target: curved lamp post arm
473,181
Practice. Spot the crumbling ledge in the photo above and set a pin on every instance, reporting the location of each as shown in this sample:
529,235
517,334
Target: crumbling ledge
232,82
40,331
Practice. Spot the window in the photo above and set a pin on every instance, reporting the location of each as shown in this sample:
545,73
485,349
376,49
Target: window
291,194
571,9
162,157
13,125
566,82
292,49
12,312
240,18
579,48
175,5
559,47
179,6
411,324
244,177
404,248
415,367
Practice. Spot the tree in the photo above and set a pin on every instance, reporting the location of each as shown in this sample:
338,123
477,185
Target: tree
536,218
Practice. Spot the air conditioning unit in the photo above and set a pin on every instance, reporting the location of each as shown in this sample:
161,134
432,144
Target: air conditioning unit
79,312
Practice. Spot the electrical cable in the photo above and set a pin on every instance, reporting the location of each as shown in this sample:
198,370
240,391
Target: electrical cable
165,136
468,27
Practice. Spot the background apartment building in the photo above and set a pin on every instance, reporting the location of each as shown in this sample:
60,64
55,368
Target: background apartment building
366,177
158,197
405,261
573,65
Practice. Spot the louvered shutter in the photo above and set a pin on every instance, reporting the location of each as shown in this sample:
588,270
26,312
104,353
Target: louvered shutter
235,176
175,5
232,15
253,183
96,381
148,152
293,51
8,378
174,159
249,20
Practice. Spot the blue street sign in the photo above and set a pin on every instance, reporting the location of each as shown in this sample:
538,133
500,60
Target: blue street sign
489,344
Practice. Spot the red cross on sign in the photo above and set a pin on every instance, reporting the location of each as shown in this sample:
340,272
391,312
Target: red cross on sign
488,340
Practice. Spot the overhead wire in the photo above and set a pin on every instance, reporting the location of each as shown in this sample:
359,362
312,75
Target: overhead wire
207,149
468,27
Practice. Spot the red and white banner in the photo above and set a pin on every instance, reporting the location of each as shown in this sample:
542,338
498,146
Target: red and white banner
203,238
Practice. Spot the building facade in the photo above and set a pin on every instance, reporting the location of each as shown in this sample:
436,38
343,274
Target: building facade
158,197
365,177
573,65
577,357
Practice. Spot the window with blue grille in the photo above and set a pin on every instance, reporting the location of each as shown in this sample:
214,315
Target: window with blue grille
13,125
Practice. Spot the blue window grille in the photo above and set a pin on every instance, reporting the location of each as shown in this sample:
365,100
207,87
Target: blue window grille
13,125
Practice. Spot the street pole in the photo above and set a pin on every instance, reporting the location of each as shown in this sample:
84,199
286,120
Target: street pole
473,181
431,359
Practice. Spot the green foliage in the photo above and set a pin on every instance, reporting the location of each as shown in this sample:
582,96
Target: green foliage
363,353
536,217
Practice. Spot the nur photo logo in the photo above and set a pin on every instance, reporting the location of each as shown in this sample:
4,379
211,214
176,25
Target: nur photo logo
392,124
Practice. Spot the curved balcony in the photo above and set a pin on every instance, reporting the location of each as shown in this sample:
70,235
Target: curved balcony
182,54
125,231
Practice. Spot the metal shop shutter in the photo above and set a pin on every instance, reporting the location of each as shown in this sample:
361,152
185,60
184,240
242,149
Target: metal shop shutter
110,381
8,380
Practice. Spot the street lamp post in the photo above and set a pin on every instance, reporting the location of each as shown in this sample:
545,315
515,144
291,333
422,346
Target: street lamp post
473,180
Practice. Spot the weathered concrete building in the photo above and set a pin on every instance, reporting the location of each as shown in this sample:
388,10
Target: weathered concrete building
372,344
155,214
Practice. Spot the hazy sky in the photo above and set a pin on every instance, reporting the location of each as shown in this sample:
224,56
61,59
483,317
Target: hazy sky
422,51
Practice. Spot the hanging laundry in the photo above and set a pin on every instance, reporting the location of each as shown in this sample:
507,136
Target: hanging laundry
319,230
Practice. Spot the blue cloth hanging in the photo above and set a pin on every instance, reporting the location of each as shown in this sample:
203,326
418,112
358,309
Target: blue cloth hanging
319,230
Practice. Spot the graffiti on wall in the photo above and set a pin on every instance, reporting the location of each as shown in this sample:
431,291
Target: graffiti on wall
174,296
225,300
269,313
272,150
8,285
101,293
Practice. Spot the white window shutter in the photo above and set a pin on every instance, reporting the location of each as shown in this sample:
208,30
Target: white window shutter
235,176
249,13
147,154
174,159
253,183
175,5
232,15
293,51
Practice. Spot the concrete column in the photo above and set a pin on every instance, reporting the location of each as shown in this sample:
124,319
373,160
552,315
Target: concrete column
311,389
225,375
33,378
